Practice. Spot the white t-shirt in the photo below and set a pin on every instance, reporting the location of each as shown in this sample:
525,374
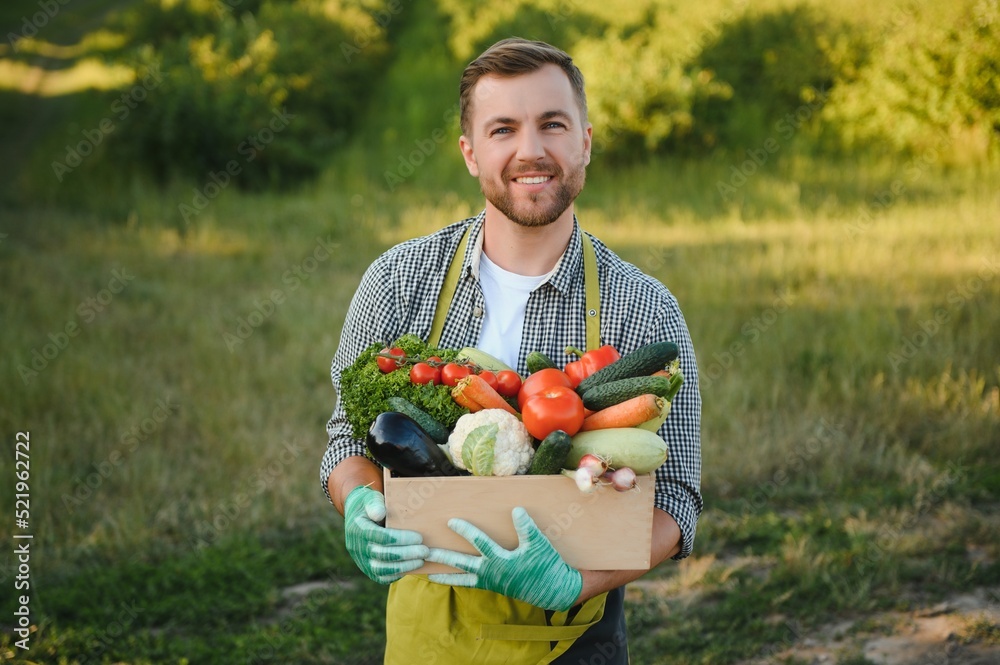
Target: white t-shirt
506,295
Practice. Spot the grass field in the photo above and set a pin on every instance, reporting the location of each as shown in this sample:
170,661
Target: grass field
173,376
849,375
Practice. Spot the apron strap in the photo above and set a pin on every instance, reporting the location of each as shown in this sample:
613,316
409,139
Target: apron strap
559,631
591,283
590,612
447,293
593,293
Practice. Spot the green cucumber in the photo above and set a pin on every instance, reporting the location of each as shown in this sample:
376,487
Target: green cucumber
642,362
426,421
537,361
638,449
551,454
608,394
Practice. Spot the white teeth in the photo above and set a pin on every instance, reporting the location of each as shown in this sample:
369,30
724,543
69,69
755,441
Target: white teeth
536,180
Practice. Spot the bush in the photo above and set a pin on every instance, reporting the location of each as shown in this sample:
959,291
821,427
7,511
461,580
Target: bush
774,63
930,88
641,99
266,90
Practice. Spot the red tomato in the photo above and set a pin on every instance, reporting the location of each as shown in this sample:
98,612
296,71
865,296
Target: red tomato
389,364
452,373
540,380
509,383
552,408
424,373
490,378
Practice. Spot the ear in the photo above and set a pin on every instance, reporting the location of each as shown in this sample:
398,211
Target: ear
588,142
465,145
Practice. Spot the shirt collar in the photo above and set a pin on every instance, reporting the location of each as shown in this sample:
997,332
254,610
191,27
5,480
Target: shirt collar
568,269
475,249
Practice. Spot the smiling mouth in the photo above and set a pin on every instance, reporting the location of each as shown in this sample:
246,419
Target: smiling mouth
533,180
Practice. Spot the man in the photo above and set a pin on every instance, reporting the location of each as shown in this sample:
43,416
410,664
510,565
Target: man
525,136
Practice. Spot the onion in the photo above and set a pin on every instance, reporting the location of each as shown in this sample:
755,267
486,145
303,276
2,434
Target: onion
589,471
623,479
594,464
583,478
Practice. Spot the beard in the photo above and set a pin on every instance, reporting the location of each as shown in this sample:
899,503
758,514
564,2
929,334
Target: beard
541,208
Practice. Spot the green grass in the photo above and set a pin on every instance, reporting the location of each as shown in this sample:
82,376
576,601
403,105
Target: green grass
200,605
838,482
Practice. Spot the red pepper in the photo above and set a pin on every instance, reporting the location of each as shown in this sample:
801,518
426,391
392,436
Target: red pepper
589,362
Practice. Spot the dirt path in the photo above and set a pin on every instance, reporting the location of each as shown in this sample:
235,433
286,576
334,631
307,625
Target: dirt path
963,630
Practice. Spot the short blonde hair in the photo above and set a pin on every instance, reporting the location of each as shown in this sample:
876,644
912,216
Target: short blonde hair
512,57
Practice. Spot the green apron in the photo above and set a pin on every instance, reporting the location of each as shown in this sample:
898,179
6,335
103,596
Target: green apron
436,623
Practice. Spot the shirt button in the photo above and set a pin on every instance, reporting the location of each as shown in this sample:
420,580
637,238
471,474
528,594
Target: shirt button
477,311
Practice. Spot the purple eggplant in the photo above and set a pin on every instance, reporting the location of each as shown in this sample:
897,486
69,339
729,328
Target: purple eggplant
398,443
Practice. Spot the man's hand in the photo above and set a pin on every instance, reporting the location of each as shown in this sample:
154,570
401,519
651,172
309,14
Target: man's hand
384,555
533,573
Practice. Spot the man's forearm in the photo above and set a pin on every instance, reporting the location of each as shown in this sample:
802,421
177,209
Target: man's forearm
352,472
665,544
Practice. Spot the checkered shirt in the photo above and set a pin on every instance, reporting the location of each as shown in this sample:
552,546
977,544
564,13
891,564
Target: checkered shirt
398,294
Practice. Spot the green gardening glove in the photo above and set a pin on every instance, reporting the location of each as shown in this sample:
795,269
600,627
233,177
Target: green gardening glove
384,555
533,573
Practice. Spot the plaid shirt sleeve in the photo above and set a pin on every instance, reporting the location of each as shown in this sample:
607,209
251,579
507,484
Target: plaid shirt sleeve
369,317
678,482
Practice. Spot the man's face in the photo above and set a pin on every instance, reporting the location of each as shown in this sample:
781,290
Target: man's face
529,145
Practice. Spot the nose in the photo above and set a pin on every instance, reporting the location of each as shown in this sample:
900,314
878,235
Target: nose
530,147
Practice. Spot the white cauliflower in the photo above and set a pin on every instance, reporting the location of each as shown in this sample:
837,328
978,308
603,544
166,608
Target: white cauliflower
491,442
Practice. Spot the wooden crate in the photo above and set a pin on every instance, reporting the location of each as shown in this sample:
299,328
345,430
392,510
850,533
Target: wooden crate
604,530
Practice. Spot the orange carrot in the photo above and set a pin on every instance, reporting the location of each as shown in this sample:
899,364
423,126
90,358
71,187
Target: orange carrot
629,413
464,400
475,388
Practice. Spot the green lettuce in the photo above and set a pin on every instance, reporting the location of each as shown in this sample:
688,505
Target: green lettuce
365,389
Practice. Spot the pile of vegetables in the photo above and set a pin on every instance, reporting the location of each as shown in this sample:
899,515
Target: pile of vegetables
426,411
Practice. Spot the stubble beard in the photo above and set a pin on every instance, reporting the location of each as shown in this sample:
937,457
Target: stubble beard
531,216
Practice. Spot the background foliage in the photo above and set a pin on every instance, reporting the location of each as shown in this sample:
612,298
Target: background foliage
815,181
720,77
229,70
